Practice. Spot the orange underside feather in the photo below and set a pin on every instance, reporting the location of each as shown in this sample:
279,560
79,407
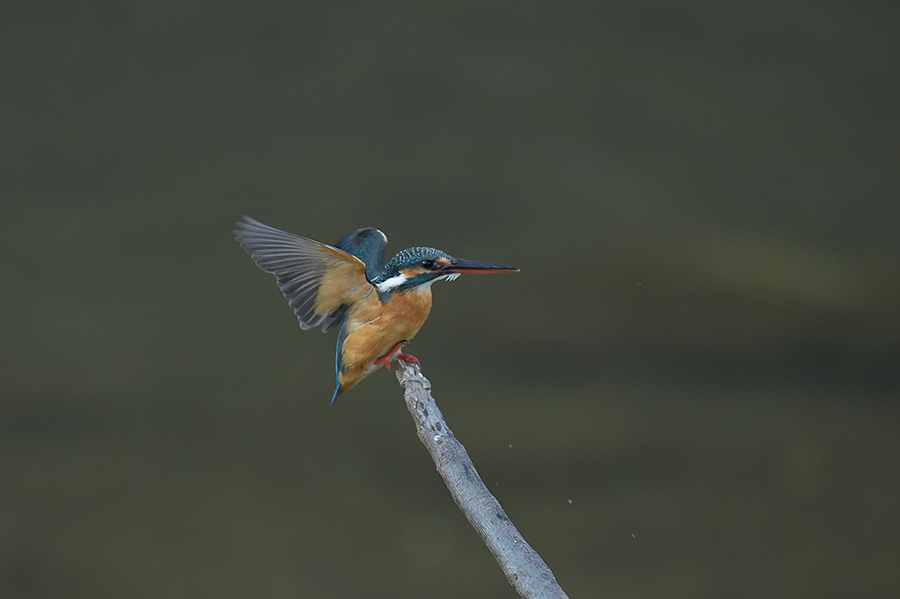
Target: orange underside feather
372,336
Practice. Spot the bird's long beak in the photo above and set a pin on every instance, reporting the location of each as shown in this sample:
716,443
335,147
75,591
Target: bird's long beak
474,266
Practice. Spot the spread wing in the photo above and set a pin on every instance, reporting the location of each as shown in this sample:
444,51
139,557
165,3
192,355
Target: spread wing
319,281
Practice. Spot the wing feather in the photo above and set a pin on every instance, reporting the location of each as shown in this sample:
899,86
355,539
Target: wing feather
319,282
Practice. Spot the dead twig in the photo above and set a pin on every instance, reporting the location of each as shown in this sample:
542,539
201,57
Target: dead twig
524,568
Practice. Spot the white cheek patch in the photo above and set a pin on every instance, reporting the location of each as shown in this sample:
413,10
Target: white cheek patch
389,284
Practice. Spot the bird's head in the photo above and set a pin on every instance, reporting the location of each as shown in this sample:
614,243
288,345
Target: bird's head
422,266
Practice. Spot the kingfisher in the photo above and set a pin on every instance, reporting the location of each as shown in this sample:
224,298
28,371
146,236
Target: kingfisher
378,307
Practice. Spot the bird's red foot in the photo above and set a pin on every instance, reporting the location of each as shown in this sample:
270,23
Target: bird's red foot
409,359
396,353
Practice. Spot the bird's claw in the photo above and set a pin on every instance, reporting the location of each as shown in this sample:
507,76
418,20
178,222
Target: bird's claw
396,353
409,359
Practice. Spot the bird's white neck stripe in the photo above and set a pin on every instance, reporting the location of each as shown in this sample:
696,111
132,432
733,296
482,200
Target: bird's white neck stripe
389,285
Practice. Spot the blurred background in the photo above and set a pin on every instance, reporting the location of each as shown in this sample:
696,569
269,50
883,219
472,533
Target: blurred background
690,390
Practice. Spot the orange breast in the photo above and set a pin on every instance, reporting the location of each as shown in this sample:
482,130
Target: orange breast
398,321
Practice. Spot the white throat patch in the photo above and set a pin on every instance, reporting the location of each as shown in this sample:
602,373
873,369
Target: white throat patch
448,277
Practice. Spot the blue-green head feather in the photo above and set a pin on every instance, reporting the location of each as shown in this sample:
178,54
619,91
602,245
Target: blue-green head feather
419,267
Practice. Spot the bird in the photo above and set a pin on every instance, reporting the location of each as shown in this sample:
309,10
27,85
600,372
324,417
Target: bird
377,306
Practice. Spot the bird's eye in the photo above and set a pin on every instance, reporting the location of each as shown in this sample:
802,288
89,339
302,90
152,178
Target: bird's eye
427,264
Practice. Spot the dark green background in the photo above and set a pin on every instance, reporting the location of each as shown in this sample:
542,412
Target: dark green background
690,390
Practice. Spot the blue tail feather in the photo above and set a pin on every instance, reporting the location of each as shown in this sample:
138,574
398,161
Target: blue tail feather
339,350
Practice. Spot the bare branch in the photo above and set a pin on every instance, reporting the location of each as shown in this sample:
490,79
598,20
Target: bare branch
524,568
